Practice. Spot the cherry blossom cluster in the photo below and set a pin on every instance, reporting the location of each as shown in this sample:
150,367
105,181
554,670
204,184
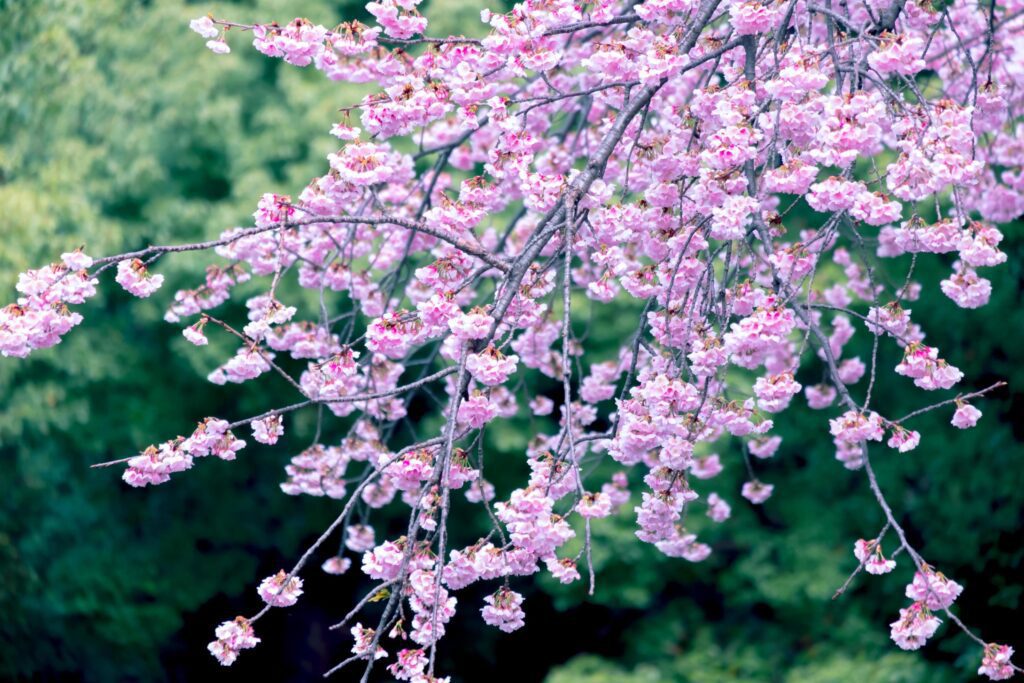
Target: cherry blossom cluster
645,159
232,638
156,464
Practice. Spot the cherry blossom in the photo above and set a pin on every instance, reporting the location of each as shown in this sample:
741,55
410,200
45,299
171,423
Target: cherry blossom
477,410
268,430
360,538
820,396
564,570
280,591
408,665
922,363
317,471
965,416
914,627
853,427
898,54
194,333
491,367
504,610
996,662
757,492
364,638
336,565
218,47
204,26
903,439
933,589
966,288
595,505
232,638
752,17
718,509
76,260
384,561
136,278
870,554
472,325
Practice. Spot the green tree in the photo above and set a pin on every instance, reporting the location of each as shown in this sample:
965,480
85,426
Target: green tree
121,130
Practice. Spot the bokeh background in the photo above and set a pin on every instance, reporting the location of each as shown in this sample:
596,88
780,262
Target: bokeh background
119,129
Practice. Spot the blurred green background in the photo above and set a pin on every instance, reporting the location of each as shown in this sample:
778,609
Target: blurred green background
119,129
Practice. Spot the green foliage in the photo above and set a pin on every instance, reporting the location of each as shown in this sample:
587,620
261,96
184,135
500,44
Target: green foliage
121,130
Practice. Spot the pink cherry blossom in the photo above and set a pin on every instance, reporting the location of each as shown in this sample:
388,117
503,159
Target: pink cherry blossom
854,427
477,410
594,505
718,509
491,367
904,439
364,638
232,638
280,591
135,278
933,589
76,260
542,405
359,538
979,245
870,553
707,467
922,363
317,471
900,54
820,396
753,17
480,491
563,570
336,565
966,288
914,627
194,334
473,325
874,208
268,430
764,447
384,561
757,492
965,416
996,662
774,392
395,18
834,194
891,318
408,665
218,47
273,209
204,26
155,464
504,610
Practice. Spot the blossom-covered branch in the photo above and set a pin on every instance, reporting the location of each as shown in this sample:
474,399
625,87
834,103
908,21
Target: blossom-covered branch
645,157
